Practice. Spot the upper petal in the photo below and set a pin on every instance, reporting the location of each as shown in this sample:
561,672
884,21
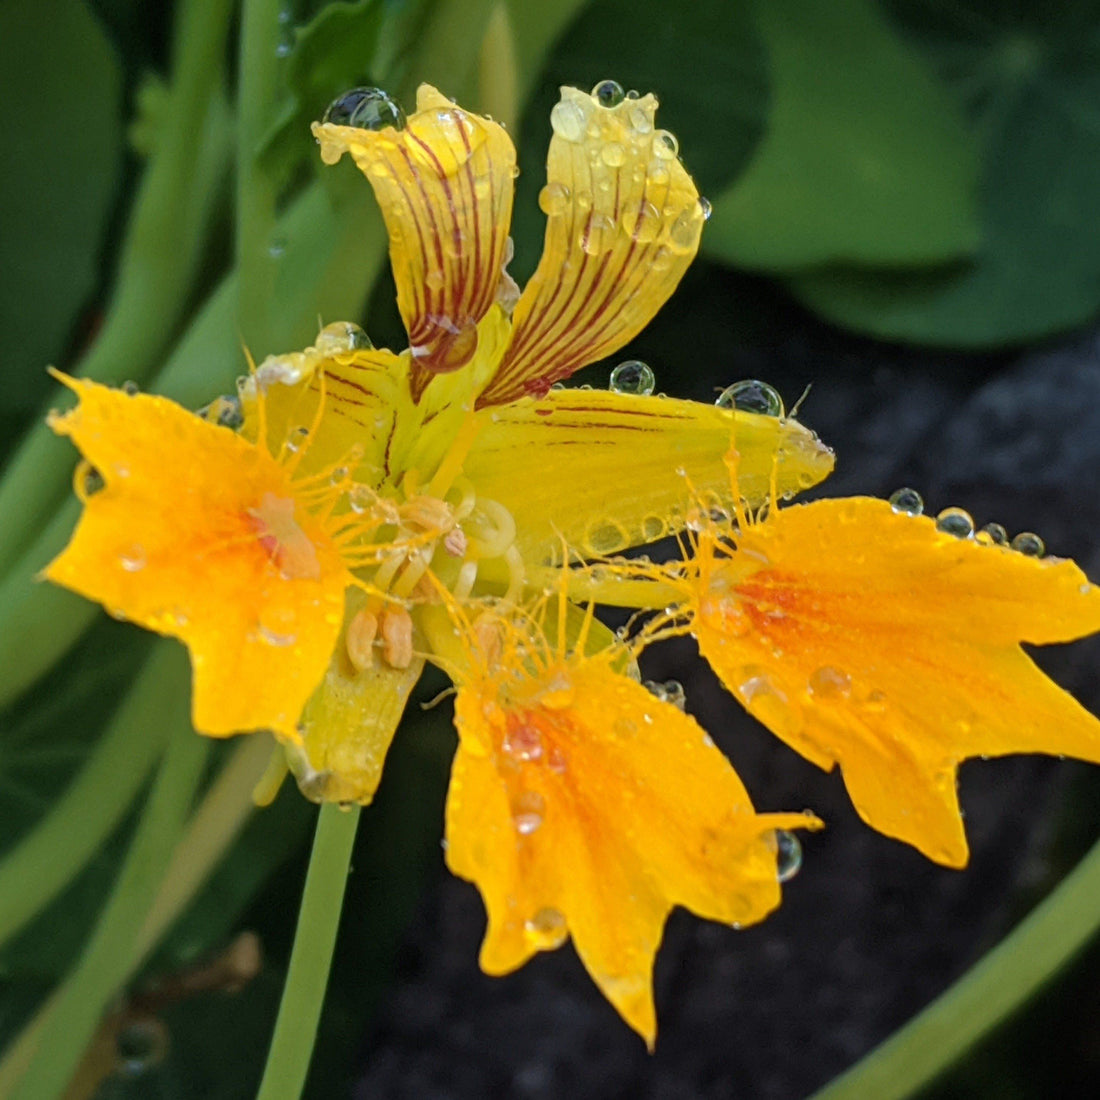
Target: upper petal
606,471
582,805
444,184
624,221
875,641
196,534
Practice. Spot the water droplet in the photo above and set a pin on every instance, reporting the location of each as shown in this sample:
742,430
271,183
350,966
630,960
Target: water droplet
608,93
788,854
523,742
140,1045
296,439
613,154
556,760
277,248
653,528
130,388
92,480
633,376
684,232
706,208
546,929
366,109
568,120
907,502
665,146
640,120
285,46
671,691
606,538
554,198
956,522
751,395
992,534
598,235
830,683
451,346
527,810
276,627
341,337
1029,544
132,559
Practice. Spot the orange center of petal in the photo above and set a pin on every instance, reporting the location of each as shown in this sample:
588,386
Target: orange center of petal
279,533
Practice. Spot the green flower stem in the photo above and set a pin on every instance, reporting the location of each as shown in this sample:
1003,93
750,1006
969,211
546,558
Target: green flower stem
211,830
256,193
311,958
60,845
984,996
97,977
159,259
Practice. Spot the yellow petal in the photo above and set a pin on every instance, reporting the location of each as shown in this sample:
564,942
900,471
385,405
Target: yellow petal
582,805
196,534
348,724
444,184
624,221
608,470
873,640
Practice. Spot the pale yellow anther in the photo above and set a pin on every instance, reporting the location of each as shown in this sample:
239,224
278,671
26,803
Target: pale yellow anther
429,514
359,639
397,637
455,542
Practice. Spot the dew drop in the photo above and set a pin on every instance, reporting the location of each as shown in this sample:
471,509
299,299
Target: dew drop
665,146
527,810
140,1045
366,109
92,480
568,120
341,337
130,389
606,538
828,682
706,208
788,854
992,534
523,742
907,502
670,691
1029,544
132,559
640,120
546,929
956,522
224,411
753,396
554,198
608,93
598,235
613,154
633,376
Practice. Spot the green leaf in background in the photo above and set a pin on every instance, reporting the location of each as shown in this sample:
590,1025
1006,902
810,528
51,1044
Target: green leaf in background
706,64
1028,76
61,132
866,158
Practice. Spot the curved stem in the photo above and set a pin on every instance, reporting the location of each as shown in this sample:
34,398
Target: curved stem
60,845
96,978
311,958
993,988
159,259
256,251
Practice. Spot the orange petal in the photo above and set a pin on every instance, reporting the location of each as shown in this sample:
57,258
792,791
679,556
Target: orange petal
444,184
196,534
875,641
582,805
624,221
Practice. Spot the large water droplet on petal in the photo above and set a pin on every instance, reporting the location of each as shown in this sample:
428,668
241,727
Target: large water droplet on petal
527,810
633,376
665,146
788,854
907,502
608,93
992,534
366,109
341,337
568,120
828,682
751,395
546,929
554,198
956,522
1030,544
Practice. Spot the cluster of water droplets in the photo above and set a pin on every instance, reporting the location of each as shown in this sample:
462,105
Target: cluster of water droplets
668,691
960,524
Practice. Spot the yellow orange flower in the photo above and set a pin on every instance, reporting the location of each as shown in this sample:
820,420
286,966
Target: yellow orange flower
360,512
870,638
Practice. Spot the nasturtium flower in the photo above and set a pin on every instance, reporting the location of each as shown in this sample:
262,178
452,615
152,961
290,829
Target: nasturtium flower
354,513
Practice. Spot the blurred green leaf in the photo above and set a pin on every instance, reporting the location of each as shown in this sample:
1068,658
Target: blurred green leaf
866,157
706,64
61,131
1029,79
